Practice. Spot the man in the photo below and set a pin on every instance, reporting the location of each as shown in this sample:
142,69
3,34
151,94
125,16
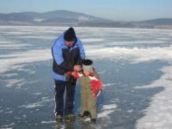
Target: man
67,52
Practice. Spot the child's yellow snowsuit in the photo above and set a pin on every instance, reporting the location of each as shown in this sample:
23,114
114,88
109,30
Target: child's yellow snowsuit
88,100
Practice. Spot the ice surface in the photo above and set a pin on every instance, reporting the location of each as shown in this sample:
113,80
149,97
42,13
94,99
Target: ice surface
135,65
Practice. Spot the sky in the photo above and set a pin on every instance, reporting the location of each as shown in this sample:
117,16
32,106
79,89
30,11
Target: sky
118,10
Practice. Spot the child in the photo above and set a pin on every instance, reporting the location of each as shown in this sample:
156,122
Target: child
91,87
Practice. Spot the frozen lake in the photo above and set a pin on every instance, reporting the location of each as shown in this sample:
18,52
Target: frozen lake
135,66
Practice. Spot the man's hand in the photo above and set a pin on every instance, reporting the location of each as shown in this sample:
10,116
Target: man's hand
77,68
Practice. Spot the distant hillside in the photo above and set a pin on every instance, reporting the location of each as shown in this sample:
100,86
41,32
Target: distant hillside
60,17
155,23
161,21
68,18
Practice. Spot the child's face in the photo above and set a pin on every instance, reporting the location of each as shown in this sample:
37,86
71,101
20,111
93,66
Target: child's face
87,73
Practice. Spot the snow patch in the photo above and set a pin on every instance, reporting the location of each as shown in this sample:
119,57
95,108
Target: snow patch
37,104
159,114
108,84
92,40
105,113
109,107
136,54
24,57
38,19
107,110
14,82
47,122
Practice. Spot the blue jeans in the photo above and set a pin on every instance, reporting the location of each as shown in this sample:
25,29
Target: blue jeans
64,104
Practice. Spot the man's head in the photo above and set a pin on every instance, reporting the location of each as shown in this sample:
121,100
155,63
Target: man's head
70,37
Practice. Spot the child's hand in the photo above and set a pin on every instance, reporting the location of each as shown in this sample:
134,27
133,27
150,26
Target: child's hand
75,74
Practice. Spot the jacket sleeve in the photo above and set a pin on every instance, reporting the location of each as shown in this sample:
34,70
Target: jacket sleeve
58,55
81,49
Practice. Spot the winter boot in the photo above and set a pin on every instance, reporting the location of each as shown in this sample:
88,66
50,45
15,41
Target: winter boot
59,118
70,117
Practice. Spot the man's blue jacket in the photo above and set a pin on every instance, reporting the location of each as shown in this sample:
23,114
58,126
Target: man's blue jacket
64,58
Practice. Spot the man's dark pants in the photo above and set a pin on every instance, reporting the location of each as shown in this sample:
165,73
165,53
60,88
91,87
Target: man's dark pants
64,105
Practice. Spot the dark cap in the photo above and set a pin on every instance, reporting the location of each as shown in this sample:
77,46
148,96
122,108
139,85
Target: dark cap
87,65
87,62
70,35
